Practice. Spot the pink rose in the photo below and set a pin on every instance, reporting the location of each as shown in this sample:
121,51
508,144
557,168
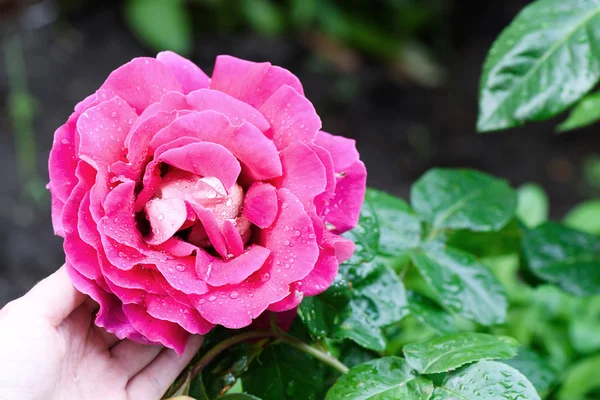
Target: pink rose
186,201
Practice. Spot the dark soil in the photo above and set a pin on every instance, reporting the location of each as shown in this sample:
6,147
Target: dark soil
401,129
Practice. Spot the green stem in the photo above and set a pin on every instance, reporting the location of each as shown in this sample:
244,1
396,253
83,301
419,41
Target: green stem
322,356
282,337
224,345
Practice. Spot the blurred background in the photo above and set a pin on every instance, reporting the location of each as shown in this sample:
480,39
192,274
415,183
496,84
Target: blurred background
399,76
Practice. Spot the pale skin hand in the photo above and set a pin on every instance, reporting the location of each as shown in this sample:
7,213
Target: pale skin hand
50,349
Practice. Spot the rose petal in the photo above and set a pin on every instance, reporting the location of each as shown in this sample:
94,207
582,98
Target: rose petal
343,210
102,130
290,302
168,309
166,216
233,240
260,204
217,272
156,330
236,111
256,152
292,117
57,210
140,82
63,161
303,172
110,315
205,159
188,74
343,150
251,82
212,229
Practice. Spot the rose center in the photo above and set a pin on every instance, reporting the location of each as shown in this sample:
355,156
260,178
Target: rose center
200,209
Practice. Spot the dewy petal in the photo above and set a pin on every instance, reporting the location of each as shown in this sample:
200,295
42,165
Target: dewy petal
217,272
294,252
292,117
212,229
57,210
343,210
156,330
251,82
233,239
205,159
63,161
140,82
110,315
249,145
168,309
260,204
303,172
189,75
236,111
290,302
343,150
322,275
166,216
102,130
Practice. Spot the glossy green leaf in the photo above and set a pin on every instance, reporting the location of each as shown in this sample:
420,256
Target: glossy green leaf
581,379
360,329
541,64
463,199
533,205
382,379
535,368
585,217
431,315
238,396
447,353
282,372
585,113
461,284
321,314
564,256
486,380
378,299
485,244
400,229
365,236
161,24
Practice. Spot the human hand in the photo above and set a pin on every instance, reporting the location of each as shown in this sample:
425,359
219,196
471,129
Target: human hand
51,349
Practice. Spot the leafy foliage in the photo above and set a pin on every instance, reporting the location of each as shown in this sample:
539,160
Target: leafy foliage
434,292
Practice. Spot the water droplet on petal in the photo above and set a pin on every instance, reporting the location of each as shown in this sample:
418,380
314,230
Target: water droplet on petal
180,268
234,295
212,298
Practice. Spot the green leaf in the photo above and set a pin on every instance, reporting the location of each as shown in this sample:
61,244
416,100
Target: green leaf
584,333
581,379
485,244
282,372
382,379
365,236
585,217
431,315
461,284
463,199
378,299
541,64
161,24
321,314
486,380
239,396
400,229
533,204
564,256
535,368
359,328
450,352
585,113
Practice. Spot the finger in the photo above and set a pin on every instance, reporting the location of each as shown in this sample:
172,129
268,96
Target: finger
134,356
54,298
154,380
109,339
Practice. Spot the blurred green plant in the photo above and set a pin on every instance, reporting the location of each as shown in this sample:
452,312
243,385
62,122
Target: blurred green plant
387,30
22,110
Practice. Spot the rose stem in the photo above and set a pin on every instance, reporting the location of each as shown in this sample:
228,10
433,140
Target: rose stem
281,337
